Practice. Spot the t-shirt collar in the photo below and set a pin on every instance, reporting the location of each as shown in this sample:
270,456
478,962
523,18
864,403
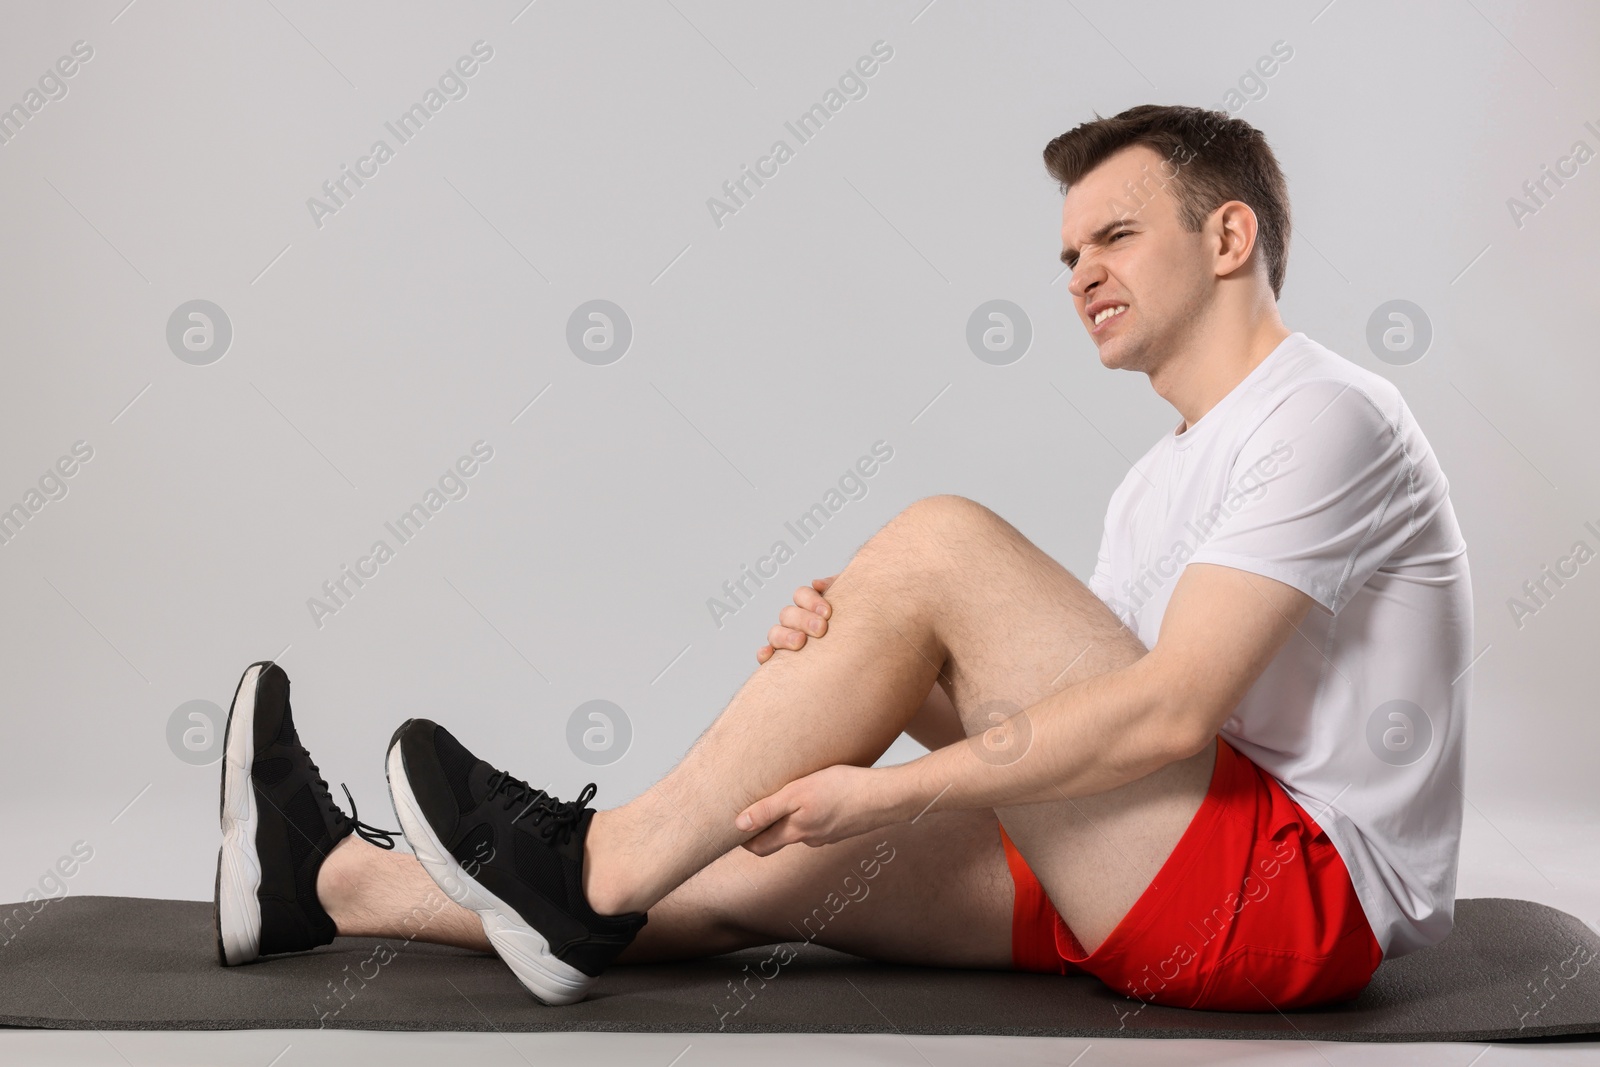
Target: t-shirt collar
1188,436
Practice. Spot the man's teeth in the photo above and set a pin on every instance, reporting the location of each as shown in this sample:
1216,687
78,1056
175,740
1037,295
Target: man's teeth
1108,312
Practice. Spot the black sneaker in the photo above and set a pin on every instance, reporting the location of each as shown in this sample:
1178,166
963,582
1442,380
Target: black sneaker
279,823
509,852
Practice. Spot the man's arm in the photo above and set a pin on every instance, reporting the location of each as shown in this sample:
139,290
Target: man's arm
1220,630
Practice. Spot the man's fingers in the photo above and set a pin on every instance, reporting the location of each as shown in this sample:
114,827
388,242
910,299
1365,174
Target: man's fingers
781,636
780,814
768,811
795,617
806,617
761,814
810,598
807,600
770,840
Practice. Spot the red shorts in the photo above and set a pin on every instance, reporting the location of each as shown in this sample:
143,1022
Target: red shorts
1253,911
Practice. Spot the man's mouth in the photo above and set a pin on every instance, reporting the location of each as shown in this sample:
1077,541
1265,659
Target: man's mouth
1107,315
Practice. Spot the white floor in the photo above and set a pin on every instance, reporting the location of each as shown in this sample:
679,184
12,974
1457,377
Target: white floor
1554,859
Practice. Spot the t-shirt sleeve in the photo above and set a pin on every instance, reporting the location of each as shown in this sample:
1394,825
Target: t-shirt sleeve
1321,494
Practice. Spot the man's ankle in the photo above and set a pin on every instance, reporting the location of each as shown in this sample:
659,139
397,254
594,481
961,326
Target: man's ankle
605,882
338,879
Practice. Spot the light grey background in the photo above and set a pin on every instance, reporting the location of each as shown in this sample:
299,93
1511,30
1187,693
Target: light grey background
768,355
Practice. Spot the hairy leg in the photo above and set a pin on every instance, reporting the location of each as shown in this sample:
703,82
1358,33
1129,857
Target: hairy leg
371,892
878,895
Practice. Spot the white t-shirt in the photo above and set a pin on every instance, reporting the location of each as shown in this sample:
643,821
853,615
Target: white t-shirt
1313,472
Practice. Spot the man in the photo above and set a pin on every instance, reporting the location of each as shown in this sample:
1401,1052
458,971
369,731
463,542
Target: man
1224,774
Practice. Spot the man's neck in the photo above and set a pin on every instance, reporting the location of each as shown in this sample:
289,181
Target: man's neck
1195,379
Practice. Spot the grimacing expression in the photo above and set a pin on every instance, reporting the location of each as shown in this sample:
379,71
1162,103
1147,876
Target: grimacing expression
1122,237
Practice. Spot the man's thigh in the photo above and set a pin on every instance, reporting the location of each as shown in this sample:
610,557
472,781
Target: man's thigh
936,892
1017,627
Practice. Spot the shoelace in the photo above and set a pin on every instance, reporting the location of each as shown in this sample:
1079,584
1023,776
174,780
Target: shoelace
370,834
552,816
384,839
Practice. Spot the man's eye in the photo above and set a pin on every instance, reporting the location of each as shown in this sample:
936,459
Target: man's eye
1121,233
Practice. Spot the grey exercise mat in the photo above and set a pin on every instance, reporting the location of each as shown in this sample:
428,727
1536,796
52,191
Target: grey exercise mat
1511,969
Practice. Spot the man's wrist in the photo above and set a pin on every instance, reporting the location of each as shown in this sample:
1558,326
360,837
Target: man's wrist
905,796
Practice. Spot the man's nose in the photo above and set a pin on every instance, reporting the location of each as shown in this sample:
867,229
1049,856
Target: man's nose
1084,280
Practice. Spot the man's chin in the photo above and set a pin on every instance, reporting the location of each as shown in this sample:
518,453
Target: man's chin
1117,354
1112,355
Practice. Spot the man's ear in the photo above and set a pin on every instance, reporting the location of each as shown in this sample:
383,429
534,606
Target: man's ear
1233,228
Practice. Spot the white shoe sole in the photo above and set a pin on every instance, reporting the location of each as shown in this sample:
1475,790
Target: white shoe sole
523,948
238,866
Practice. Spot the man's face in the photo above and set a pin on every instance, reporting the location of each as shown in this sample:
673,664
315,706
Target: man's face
1121,235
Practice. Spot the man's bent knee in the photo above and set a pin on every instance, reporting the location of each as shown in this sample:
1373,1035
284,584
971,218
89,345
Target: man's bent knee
919,539
943,524
945,509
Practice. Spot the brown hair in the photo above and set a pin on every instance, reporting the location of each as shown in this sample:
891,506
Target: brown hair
1209,158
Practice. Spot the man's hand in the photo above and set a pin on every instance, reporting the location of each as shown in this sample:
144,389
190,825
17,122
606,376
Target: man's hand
807,615
823,807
